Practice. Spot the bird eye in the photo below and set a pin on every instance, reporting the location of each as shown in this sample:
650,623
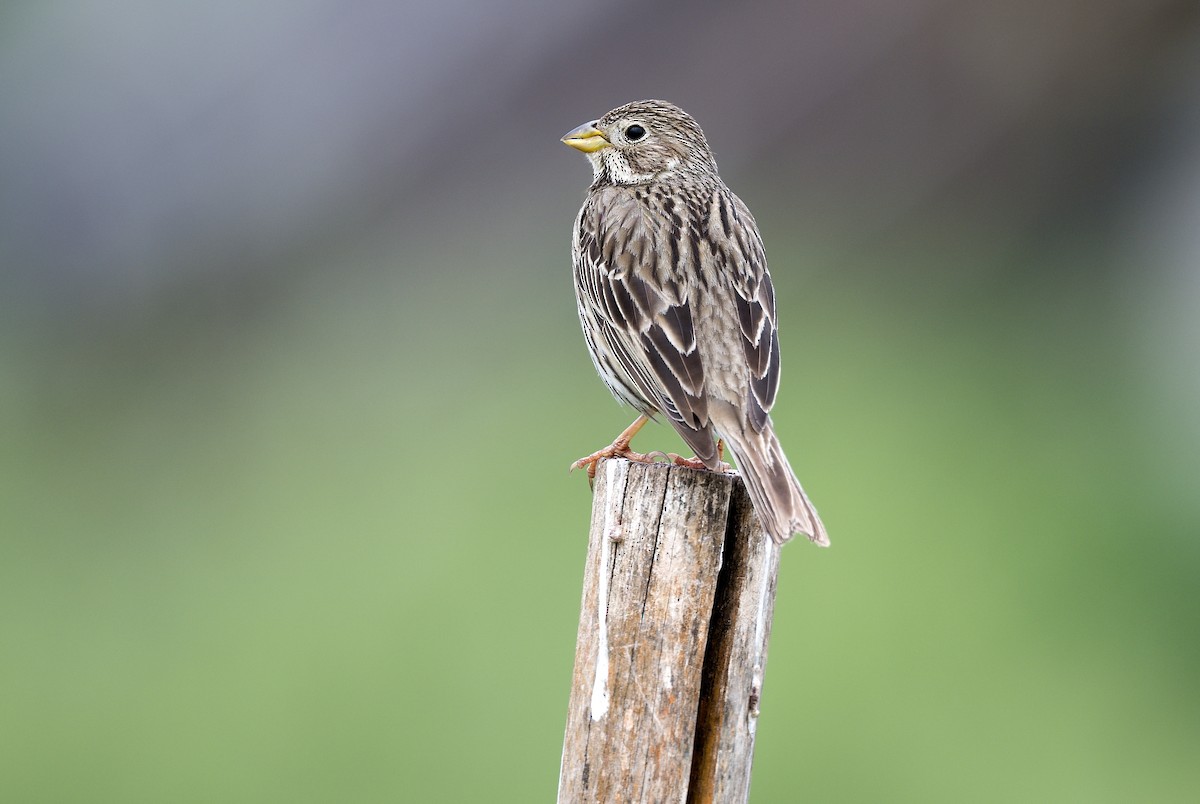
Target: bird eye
634,133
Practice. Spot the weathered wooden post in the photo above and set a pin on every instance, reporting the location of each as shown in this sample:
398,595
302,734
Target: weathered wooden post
678,595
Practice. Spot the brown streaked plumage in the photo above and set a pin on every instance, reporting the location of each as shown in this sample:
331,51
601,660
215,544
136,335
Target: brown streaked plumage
676,304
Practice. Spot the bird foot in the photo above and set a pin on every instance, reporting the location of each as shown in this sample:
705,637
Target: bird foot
617,449
620,449
696,463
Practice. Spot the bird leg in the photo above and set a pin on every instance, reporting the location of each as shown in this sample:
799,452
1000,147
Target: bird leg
619,448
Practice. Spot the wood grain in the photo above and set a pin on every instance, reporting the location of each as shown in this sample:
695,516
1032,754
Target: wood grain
672,643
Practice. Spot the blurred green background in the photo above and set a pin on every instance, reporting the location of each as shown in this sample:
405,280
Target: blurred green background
290,376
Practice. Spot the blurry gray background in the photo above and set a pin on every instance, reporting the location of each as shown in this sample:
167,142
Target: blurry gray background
290,375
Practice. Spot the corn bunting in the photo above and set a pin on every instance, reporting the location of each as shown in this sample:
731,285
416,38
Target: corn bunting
677,306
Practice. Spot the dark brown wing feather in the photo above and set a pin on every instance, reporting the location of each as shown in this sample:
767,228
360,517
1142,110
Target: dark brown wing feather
646,319
755,299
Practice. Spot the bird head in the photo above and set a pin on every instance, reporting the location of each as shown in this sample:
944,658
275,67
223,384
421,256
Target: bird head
643,142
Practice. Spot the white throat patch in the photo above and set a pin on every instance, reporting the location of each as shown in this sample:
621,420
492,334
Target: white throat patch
618,167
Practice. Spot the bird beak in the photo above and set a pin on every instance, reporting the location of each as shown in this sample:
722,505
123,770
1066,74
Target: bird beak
586,138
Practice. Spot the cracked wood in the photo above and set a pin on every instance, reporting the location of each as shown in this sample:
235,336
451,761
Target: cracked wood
668,675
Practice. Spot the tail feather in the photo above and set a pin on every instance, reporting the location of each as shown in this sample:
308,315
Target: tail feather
778,498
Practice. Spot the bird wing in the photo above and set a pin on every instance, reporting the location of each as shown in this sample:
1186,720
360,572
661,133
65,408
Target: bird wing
646,317
754,296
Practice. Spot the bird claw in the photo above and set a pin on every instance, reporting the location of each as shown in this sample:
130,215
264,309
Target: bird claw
688,463
620,449
614,450
721,468
696,463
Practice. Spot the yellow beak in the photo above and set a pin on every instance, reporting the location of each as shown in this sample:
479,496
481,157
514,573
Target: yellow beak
586,138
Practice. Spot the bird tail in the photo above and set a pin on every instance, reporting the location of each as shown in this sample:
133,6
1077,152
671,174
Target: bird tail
779,501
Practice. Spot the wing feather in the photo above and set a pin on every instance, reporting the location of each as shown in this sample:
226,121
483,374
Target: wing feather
755,299
645,322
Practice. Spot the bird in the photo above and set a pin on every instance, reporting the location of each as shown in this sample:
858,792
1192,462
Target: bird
677,307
